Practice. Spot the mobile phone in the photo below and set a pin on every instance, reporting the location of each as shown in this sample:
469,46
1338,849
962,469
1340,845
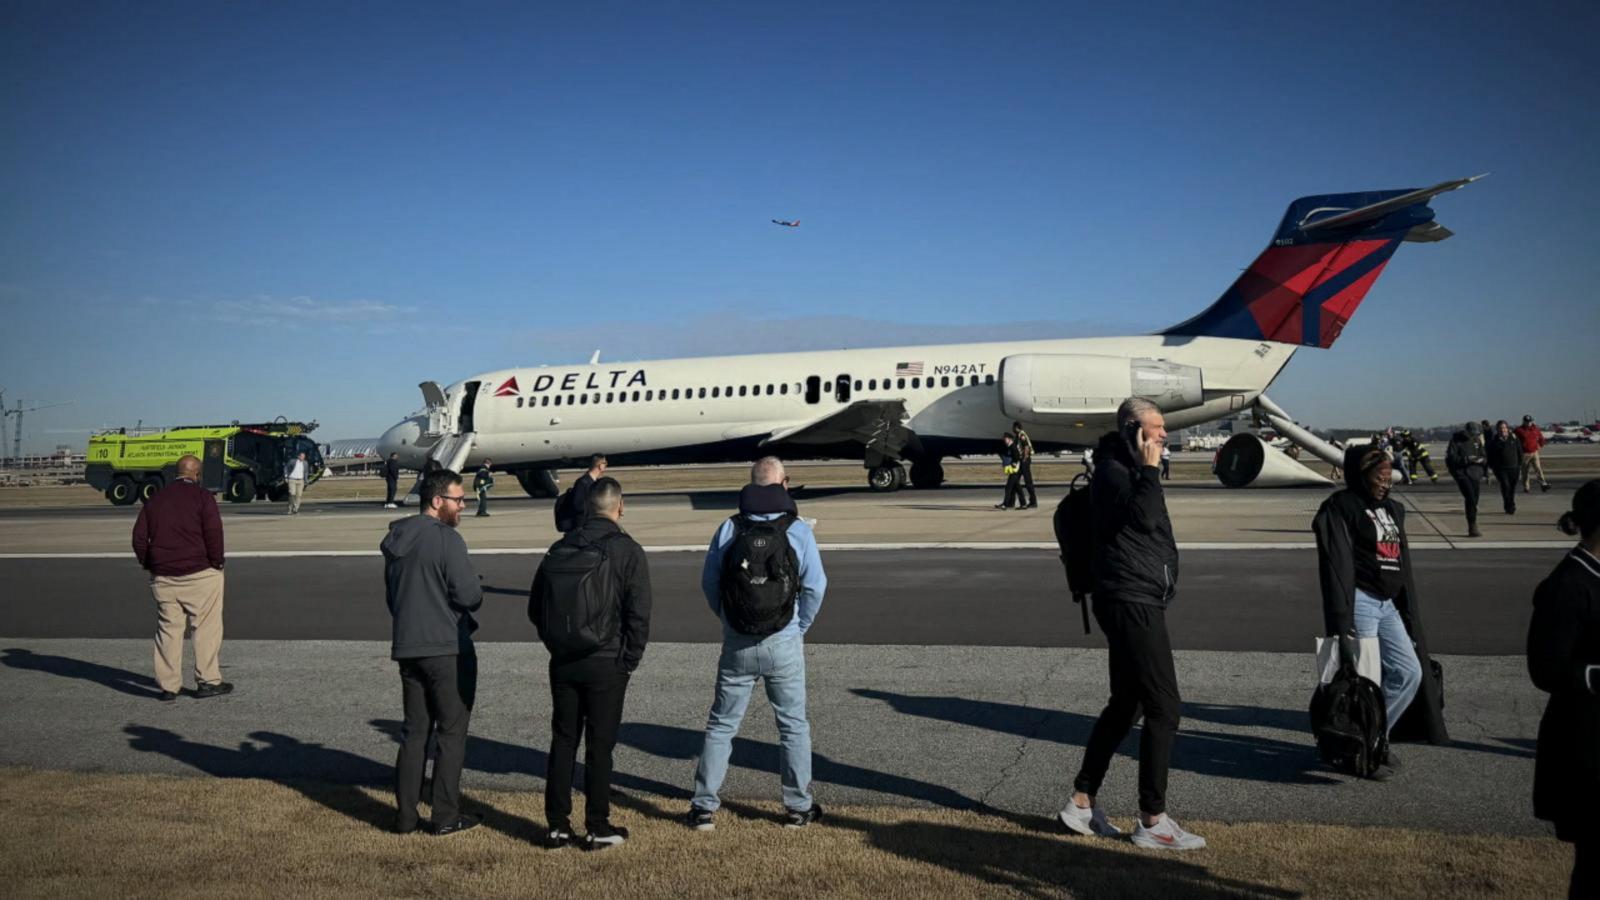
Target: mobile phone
1130,433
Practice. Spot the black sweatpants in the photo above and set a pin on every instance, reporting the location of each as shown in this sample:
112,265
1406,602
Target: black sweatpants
1013,490
438,692
1027,481
587,695
1467,483
1508,488
1142,678
390,486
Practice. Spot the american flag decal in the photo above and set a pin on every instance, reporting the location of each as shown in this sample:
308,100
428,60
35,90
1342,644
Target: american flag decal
908,368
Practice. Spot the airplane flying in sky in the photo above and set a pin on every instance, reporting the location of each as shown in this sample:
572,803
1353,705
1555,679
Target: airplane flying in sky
785,222
920,405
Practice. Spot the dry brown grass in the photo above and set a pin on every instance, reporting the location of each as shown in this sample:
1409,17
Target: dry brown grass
97,835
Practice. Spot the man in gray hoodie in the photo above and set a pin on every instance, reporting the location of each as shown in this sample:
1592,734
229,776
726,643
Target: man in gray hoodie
432,592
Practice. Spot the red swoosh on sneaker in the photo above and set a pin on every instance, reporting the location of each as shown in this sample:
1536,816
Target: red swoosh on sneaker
1164,838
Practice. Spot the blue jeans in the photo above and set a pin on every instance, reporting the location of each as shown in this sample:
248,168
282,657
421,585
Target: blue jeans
1402,673
782,665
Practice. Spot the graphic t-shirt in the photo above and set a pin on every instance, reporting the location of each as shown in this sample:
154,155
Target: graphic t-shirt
1377,552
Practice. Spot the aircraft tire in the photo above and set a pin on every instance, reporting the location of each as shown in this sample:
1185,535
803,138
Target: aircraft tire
539,484
151,486
927,475
884,479
123,491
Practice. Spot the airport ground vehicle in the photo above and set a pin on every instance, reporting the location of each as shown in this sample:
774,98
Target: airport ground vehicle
242,462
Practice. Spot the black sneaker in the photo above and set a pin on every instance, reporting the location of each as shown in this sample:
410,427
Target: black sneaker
1544,487
795,818
700,819
603,836
214,689
558,838
167,696
463,823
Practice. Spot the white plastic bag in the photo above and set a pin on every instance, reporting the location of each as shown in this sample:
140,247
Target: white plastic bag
1368,664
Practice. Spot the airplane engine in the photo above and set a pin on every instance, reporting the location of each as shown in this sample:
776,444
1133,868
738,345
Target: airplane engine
1248,461
1049,387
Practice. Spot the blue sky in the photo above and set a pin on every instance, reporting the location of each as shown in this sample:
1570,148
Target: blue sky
217,211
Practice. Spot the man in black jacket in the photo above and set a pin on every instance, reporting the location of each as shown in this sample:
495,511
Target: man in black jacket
391,479
1135,577
573,506
432,592
587,689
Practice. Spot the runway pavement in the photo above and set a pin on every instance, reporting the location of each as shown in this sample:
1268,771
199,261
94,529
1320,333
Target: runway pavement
1246,600
948,666
958,727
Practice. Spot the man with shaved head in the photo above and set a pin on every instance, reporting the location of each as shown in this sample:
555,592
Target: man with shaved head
763,577
178,540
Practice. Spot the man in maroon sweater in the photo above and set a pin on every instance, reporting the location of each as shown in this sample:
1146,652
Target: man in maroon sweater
178,540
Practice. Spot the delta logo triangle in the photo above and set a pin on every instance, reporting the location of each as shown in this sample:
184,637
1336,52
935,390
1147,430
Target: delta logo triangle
509,389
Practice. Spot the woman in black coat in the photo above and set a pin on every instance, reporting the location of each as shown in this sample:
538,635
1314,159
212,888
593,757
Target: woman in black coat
1564,660
1504,451
1364,565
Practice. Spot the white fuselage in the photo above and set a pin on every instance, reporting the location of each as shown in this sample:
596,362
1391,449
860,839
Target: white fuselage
716,409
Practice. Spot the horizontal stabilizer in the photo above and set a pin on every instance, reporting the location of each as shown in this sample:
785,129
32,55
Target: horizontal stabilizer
1311,223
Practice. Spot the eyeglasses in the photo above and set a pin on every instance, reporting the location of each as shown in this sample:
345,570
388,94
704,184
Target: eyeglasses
461,498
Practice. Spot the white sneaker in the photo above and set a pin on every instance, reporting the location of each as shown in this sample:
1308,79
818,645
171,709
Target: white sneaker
390,506
1091,821
1166,835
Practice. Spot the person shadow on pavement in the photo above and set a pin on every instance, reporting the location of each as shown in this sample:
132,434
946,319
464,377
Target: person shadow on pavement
1246,757
120,680
495,757
330,777
683,743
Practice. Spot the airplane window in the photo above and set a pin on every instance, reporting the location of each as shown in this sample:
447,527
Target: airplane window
583,398
872,384
545,400
649,395
916,382
783,388
769,390
900,384
741,390
961,380
988,379
519,403
858,384
622,396
716,391
608,396
702,393
597,396
944,381
636,396
729,391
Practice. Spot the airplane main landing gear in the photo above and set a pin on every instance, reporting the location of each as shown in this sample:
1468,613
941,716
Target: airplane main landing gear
927,474
887,477
539,484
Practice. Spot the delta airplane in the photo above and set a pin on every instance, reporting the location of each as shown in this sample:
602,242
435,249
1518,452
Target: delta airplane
919,405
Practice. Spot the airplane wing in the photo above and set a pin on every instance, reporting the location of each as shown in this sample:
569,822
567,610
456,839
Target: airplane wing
877,424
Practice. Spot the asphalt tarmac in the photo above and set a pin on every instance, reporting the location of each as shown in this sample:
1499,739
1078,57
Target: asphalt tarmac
1237,600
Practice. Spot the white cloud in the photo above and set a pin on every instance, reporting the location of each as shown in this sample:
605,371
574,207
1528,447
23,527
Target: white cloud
296,312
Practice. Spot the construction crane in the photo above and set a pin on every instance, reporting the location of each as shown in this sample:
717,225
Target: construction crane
16,427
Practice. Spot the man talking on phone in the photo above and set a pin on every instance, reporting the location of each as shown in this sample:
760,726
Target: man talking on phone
1135,577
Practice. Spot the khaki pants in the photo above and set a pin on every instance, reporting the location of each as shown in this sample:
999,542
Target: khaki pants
1530,465
296,488
193,604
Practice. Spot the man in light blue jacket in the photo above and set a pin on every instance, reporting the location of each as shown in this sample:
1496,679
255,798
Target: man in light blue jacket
767,594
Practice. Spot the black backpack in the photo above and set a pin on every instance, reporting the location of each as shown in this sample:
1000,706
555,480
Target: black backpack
1348,719
760,576
567,517
1074,524
576,605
